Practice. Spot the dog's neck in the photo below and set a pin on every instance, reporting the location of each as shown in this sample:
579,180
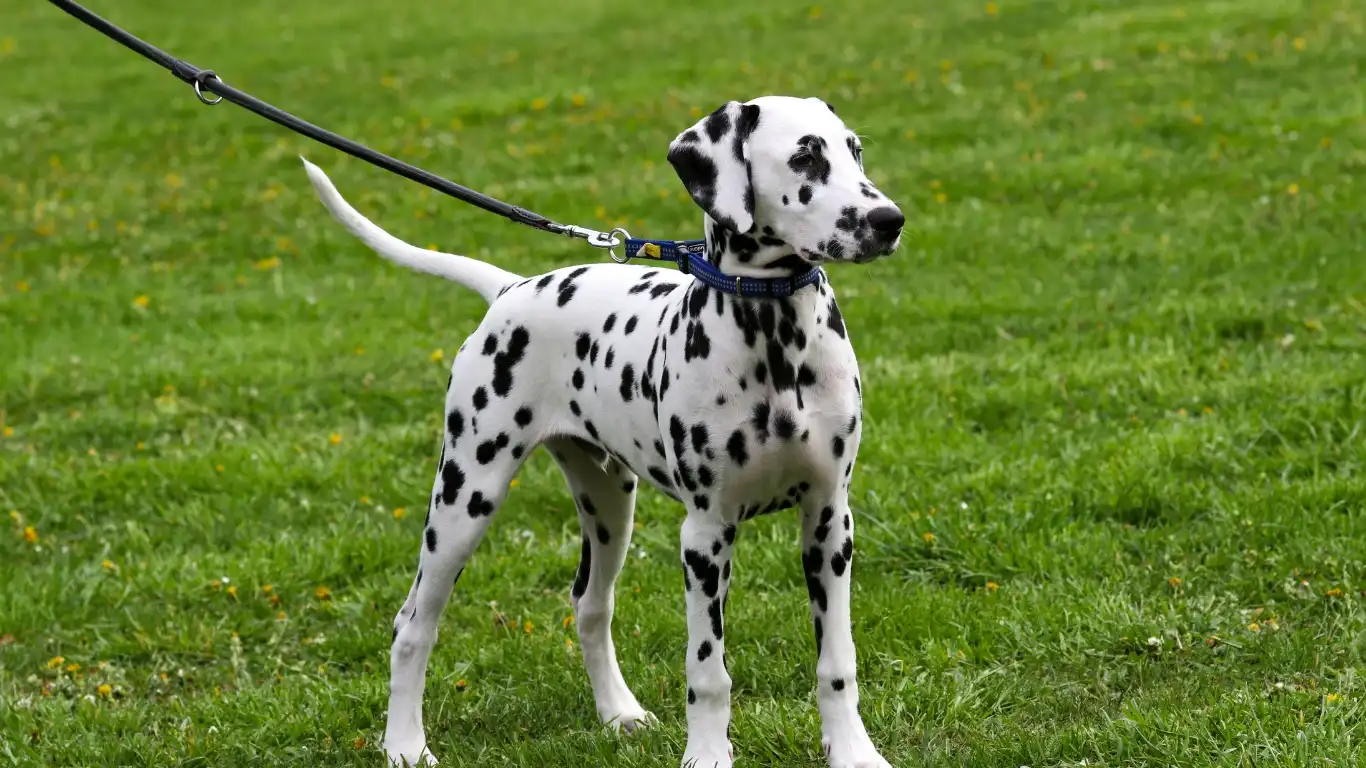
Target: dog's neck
755,254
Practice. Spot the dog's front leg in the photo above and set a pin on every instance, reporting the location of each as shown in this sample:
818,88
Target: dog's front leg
706,544
827,560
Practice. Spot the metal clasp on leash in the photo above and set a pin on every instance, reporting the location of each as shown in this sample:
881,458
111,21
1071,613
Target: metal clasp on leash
608,241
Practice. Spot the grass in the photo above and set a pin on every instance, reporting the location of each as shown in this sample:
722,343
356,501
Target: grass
1111,490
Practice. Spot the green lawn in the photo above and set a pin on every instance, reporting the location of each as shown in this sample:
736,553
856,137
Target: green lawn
1111,494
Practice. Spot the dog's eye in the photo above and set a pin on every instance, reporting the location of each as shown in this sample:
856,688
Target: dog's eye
801,162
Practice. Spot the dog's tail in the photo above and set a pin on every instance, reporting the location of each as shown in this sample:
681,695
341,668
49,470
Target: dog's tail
486,279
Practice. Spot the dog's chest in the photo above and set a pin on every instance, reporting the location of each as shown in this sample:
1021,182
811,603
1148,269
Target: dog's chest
762,396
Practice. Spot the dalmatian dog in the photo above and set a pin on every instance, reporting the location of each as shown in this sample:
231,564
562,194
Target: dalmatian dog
734,406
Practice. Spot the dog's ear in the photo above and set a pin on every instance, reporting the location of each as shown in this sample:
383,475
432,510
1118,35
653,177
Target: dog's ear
712,159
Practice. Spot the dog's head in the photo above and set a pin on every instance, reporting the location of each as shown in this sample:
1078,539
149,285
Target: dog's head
785,176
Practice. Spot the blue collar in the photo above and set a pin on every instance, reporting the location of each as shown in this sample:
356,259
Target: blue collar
691,258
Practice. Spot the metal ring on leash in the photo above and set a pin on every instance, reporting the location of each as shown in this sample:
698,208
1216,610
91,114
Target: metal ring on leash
204,77
612,250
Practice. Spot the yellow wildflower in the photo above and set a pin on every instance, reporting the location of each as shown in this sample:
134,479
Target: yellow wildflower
1332,697
992,586
323,593
232,590
928,537
527,627
141,302
108,565
7,431
73,667
1174,582
1292,190
30,534
55,661
399,513
105,690
460,685
335,438
267,589
992,9
438,356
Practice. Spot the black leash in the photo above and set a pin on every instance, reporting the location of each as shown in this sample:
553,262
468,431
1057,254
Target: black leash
207,80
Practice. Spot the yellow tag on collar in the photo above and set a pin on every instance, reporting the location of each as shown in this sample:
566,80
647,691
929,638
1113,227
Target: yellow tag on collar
651,250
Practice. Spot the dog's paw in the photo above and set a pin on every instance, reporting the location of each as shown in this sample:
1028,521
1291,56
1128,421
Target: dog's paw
631,721
410,758
853,753
708,756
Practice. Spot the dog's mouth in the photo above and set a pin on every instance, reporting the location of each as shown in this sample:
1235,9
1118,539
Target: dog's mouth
873,248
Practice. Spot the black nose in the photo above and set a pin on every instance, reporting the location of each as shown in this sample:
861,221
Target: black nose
886,219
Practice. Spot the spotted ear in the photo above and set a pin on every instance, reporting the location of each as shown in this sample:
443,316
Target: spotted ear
712,159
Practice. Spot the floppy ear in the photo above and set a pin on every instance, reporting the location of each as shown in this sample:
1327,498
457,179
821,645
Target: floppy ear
712,159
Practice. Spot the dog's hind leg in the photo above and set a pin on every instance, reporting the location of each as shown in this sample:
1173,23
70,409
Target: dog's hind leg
605,494
475,470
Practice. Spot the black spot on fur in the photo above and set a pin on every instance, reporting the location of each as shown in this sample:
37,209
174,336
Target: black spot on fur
577,378
717,627
604,535
704,650
452,480
431,539
837,446
823,526
660,478
585,563
479,506
490,344
783,425
488,450
481,399
704,570
504,362
717,124
804,195
838,684
704,476
609,322
544,281
581,345
758,419
523,416
630,325
699,437
735,448
692,696
812,562
586,504
628,382
835,320
455,426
